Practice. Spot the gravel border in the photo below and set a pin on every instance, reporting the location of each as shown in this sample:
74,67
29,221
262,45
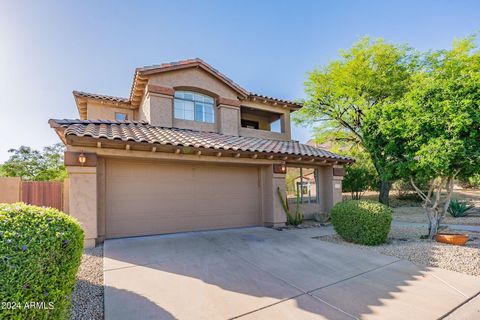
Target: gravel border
405,243
87,298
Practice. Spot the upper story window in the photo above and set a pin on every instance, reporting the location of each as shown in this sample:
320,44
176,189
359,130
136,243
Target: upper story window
119,116
194,106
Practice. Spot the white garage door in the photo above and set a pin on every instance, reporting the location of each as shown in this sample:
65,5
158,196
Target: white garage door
144,198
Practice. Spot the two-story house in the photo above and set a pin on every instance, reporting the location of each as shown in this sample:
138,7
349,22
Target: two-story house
189,149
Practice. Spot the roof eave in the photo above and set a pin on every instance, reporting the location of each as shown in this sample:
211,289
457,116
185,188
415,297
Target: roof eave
285,157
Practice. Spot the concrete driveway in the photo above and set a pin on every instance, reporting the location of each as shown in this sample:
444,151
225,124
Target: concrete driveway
260,273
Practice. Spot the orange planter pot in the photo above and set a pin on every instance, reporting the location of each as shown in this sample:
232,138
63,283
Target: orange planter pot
452,238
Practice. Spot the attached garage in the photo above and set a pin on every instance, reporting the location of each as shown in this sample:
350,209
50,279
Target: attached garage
146,198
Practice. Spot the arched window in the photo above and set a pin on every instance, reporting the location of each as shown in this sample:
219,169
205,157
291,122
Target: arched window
194,106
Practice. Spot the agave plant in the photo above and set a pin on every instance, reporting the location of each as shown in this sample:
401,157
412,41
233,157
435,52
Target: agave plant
459,208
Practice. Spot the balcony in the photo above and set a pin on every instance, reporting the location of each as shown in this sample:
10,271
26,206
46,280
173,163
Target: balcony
262,124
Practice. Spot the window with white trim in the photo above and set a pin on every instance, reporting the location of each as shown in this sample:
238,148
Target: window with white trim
194,106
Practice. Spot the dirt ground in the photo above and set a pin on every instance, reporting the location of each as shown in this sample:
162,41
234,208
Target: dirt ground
410,210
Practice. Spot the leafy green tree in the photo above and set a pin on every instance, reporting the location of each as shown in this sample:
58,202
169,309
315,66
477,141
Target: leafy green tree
370,75
433,134
359,176
34,165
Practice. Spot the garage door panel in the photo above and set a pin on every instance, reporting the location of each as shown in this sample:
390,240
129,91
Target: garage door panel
153,198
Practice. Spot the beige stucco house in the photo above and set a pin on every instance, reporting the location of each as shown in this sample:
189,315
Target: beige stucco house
189,149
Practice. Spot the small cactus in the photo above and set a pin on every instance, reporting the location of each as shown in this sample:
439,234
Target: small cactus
293,220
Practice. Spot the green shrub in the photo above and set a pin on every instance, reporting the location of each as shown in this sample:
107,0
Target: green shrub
357,180
40,252
459,209
362,221
472,182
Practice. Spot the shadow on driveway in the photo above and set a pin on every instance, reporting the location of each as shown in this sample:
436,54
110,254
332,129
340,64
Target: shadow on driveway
260,273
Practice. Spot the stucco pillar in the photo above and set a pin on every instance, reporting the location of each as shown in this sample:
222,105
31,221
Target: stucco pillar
338,173
330,187
228,120
10,189
83,200
160,110
273,214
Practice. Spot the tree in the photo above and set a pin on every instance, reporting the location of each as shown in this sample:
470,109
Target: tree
370,75
433,133
33,165
359,176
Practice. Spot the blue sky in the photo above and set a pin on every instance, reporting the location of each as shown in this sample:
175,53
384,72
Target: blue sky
49,48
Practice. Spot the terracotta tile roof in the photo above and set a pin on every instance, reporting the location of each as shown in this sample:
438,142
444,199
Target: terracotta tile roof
143,132
261,96
100,97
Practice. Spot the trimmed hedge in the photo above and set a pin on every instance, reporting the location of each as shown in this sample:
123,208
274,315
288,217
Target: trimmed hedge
40,252
362,221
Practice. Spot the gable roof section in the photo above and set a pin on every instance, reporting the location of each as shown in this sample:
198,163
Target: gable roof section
141,132
140,77
140,80
140,73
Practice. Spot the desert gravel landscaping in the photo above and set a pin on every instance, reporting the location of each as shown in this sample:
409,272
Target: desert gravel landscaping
417,215
410,210
87,300
405,243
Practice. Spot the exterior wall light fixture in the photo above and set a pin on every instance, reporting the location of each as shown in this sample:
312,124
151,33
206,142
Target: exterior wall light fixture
82,158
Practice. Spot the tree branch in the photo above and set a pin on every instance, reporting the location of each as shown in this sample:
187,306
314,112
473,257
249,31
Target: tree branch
420,192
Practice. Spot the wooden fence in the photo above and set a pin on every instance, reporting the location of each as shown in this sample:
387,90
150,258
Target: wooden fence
40,193
43,193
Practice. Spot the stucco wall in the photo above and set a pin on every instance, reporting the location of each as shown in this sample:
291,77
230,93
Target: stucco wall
66,195
273,214
143,112
263,134
97,111
160,110
83,200
193,78
194,125
228,120
10,189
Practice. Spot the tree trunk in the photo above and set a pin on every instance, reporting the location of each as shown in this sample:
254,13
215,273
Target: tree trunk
434,228
384,192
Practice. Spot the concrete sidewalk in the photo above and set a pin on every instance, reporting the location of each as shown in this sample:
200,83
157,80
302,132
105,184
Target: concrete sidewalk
260,273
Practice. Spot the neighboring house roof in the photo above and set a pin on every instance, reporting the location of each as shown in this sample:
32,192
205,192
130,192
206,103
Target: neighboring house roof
140,81
141,132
